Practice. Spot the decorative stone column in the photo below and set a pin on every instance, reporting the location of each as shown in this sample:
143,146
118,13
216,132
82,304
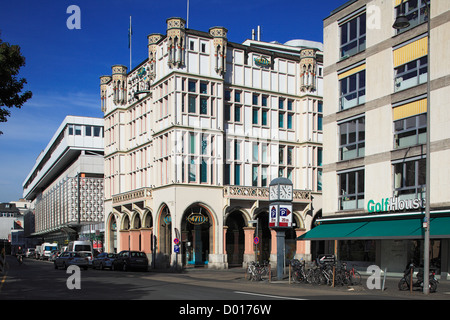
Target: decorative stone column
146,240
249,252
124,240
300,252
134,239
273,248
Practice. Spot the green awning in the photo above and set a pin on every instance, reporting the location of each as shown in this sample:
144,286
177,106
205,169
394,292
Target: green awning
440,227
379,229
332,231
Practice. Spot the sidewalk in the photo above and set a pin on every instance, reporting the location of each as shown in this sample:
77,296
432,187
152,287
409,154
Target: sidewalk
390,285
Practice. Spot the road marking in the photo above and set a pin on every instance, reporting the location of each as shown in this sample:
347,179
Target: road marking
268,296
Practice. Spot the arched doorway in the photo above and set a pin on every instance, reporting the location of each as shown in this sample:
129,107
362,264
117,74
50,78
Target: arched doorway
112,243
196,236
264,235
135,233
165,231
124,233
235,238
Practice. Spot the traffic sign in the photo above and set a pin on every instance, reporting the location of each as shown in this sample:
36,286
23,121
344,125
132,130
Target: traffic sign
273,219
176,241
285,216
176,248
255,240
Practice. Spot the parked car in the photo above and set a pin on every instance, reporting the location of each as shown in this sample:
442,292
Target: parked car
103,260
30,253
89,255
127,259
69,258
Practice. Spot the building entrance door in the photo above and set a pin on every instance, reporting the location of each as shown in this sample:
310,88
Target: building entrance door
195,236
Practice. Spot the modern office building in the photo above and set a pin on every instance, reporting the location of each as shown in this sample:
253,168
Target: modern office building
66,183
375,132
194,135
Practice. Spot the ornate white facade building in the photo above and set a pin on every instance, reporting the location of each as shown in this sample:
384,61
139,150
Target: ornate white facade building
193,137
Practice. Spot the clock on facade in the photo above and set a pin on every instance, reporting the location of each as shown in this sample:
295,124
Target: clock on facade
280,189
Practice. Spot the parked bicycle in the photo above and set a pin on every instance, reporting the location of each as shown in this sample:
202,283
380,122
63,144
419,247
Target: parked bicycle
256,271
298,271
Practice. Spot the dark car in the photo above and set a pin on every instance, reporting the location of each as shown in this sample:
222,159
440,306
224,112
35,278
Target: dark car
104,260
127,259
69,258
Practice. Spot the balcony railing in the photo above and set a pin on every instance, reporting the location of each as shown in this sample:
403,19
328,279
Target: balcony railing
133,195
261,193
233,192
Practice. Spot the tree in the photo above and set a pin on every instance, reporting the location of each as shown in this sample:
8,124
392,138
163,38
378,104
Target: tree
11,60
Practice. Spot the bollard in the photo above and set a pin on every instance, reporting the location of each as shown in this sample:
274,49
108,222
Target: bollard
270,272
334,272
411,281
289,273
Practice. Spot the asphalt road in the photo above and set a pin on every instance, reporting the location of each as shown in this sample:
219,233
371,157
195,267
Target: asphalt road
177,292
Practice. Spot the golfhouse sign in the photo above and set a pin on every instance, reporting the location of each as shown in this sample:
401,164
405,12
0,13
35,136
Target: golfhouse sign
394,204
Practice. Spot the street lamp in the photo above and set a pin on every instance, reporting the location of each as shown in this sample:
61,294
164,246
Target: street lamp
402,22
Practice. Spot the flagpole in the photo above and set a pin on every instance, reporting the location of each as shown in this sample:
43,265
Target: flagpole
130,32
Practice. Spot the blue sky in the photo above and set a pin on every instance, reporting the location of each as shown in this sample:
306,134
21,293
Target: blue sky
63,66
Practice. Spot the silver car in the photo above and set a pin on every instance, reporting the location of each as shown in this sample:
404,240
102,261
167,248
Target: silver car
69,258
103,260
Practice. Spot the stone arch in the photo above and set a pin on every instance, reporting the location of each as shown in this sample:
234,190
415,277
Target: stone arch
235,221
198,234
111,231
147,220
263,233
125,223
164,225
135,222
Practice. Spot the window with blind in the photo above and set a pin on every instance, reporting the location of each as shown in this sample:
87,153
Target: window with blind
410,124
411,64
352,85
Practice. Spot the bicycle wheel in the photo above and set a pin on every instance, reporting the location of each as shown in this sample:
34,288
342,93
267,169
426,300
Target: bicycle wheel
403,285
356,278
296,277
310,276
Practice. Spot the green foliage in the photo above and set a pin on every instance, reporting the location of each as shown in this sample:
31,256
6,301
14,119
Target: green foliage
11,60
